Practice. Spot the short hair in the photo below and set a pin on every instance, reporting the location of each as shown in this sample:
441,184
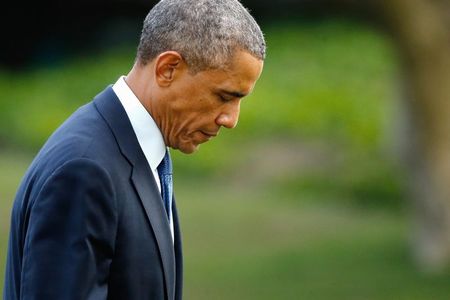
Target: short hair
206,33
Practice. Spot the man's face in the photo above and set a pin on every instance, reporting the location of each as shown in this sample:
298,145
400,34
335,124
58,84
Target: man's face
199,105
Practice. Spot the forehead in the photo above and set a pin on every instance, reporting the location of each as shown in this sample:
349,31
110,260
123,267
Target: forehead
240,75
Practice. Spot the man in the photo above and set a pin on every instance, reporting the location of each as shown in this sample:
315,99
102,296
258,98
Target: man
94,217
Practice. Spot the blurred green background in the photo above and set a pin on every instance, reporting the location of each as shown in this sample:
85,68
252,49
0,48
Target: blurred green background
305,199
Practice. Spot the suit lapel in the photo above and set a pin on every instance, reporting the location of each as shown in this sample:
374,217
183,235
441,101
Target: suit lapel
114,114
178,254
153,206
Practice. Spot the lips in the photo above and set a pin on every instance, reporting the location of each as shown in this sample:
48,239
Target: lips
208,135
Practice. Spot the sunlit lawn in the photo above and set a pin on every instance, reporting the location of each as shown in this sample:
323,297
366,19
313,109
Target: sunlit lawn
249,243
12,167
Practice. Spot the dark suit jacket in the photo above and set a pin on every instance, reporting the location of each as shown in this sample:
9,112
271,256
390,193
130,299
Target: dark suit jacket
88,221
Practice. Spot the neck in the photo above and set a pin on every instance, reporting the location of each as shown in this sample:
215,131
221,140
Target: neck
139,80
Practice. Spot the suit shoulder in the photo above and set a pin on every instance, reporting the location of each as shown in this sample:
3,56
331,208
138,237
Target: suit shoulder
85,131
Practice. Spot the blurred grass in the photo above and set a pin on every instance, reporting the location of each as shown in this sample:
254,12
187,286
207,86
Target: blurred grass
12,168
283,249
250,243
278,208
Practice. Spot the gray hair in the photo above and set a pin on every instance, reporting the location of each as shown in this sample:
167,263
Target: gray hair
205,32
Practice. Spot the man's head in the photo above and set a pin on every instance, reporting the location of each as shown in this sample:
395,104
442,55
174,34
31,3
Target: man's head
196,60
205,32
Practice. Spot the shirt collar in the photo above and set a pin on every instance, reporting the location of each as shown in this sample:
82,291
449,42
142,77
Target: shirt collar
147,132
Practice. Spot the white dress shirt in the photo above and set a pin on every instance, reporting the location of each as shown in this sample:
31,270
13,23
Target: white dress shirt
147,132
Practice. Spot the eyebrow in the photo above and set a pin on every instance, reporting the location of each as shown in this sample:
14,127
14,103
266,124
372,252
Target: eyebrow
234,94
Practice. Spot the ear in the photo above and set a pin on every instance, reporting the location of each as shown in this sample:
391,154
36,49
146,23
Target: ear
167,65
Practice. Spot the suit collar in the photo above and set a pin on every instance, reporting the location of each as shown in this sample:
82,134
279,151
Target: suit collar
115,116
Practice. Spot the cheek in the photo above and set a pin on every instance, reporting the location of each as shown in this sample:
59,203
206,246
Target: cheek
194,114
191,128
200,114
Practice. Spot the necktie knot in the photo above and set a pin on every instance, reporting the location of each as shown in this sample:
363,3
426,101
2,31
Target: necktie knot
165,167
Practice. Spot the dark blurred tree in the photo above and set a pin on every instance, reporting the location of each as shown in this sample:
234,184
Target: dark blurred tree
421,29
421,33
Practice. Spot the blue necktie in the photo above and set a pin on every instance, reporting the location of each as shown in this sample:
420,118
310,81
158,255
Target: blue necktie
165,178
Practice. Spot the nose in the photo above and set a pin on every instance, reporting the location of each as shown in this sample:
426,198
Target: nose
229,116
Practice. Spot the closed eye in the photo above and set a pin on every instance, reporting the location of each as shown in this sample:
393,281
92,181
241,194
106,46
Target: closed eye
224,98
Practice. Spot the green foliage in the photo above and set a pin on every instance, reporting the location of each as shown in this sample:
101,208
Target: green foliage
329,81
36,102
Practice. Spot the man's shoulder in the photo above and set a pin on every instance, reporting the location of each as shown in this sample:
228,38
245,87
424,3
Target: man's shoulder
86,126
82,129
84,134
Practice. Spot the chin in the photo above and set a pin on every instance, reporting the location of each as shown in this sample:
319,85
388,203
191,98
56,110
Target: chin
188,149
